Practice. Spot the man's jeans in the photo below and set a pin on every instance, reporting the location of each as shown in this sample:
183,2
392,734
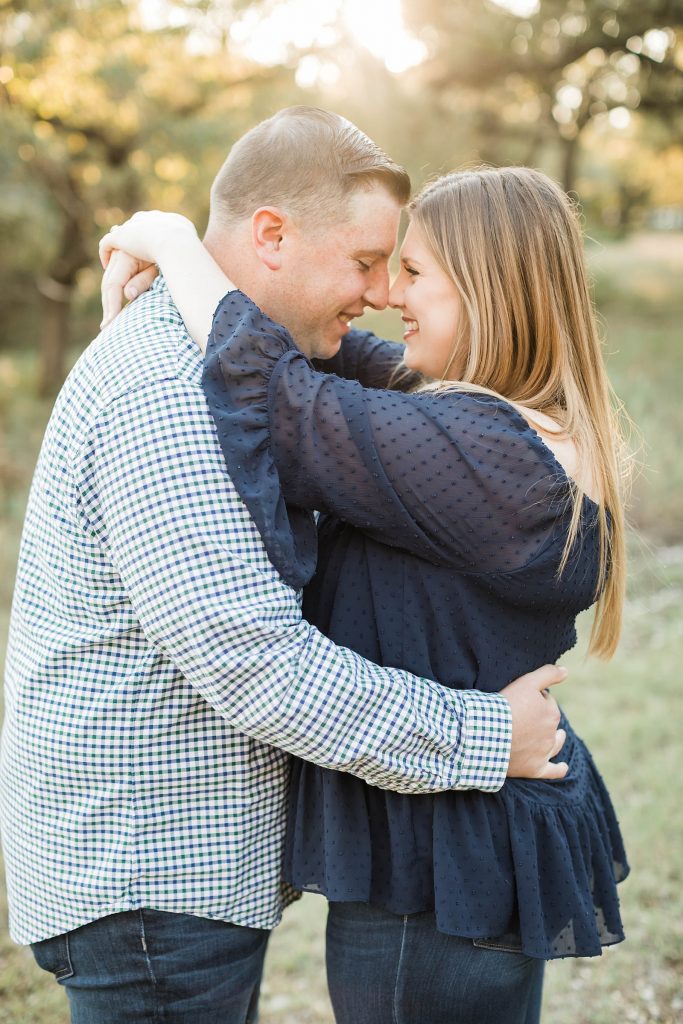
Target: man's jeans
148,966
390,969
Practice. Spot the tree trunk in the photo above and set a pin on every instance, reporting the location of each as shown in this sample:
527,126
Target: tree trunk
56,308
570,154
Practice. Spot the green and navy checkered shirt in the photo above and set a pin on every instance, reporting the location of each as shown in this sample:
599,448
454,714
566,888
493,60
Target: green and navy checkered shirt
159,669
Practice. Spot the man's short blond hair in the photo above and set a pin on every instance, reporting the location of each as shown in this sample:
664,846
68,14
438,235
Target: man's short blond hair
307,161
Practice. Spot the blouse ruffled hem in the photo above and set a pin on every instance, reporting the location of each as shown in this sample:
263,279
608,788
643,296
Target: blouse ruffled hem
544,871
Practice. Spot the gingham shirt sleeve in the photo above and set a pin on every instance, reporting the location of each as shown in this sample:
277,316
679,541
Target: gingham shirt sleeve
155,492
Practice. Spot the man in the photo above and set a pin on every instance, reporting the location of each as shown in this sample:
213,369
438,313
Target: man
158,667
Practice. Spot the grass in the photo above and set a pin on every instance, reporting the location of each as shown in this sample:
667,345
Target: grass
628,711
638,290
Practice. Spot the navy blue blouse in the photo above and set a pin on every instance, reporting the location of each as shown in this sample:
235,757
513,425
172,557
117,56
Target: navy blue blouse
444,518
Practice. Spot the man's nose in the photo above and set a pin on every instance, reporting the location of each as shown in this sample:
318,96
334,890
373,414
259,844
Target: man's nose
377,292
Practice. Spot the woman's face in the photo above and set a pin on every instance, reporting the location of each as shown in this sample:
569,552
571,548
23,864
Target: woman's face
430,306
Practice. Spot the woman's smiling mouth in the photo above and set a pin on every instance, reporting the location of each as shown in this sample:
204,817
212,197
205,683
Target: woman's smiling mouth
411,327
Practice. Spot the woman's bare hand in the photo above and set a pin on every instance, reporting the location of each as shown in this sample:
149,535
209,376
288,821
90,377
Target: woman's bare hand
131,251
125,277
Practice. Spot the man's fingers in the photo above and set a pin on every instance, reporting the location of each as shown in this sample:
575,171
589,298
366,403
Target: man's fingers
560,738
558,675
553,772
541,678
550,770
535,719
545,676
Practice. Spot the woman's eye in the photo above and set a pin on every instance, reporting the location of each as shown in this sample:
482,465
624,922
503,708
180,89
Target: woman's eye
411,271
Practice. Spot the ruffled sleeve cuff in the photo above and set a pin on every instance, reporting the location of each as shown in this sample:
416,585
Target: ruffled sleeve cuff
244,348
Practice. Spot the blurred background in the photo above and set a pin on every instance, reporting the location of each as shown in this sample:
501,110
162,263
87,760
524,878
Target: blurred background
107,107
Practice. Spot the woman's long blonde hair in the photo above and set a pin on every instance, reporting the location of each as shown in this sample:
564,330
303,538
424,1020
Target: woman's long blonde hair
511,241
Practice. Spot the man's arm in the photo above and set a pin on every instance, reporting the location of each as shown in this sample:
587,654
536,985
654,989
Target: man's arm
156,493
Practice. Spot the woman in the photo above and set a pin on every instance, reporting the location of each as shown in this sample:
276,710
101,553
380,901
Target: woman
465,524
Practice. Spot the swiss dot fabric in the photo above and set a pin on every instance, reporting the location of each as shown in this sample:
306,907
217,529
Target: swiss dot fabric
444,520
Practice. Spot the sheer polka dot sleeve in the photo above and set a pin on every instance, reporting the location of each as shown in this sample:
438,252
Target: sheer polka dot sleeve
371,361
457,479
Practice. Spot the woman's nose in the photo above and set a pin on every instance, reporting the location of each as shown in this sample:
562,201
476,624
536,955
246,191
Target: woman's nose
396,293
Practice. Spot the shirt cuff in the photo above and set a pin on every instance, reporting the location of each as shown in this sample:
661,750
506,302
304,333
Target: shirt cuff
486,740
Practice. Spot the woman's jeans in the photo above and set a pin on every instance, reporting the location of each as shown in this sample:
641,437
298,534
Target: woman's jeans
383,968
149,966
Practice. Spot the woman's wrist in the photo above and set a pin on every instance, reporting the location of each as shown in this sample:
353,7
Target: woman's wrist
151,235
176,246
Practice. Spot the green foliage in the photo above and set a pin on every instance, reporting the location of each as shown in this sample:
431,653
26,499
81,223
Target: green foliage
536,82
104,110
638,294
100,115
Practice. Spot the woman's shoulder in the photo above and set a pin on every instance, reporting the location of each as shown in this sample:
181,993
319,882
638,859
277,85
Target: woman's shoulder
493,426
473,418
563,450
457,404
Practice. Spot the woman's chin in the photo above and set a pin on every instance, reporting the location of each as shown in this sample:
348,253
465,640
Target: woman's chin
411,360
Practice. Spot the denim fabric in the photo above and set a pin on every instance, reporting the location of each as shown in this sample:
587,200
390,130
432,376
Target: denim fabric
150,966
386,968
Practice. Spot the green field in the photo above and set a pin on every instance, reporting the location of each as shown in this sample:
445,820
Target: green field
629,711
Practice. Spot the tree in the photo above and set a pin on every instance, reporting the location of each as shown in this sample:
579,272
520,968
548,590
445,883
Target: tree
546,76
108,114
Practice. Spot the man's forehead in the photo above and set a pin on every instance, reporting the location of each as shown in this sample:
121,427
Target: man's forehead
367,228
374,202
373,223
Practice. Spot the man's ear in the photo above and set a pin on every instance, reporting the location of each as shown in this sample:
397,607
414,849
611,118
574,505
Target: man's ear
268,227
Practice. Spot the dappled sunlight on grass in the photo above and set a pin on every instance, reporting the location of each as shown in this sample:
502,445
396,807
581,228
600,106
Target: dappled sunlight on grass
629,713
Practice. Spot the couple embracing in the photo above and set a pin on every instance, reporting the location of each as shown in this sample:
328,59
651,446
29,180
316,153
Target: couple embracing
161,670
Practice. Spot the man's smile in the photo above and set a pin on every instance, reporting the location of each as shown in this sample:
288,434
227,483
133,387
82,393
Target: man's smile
345,318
